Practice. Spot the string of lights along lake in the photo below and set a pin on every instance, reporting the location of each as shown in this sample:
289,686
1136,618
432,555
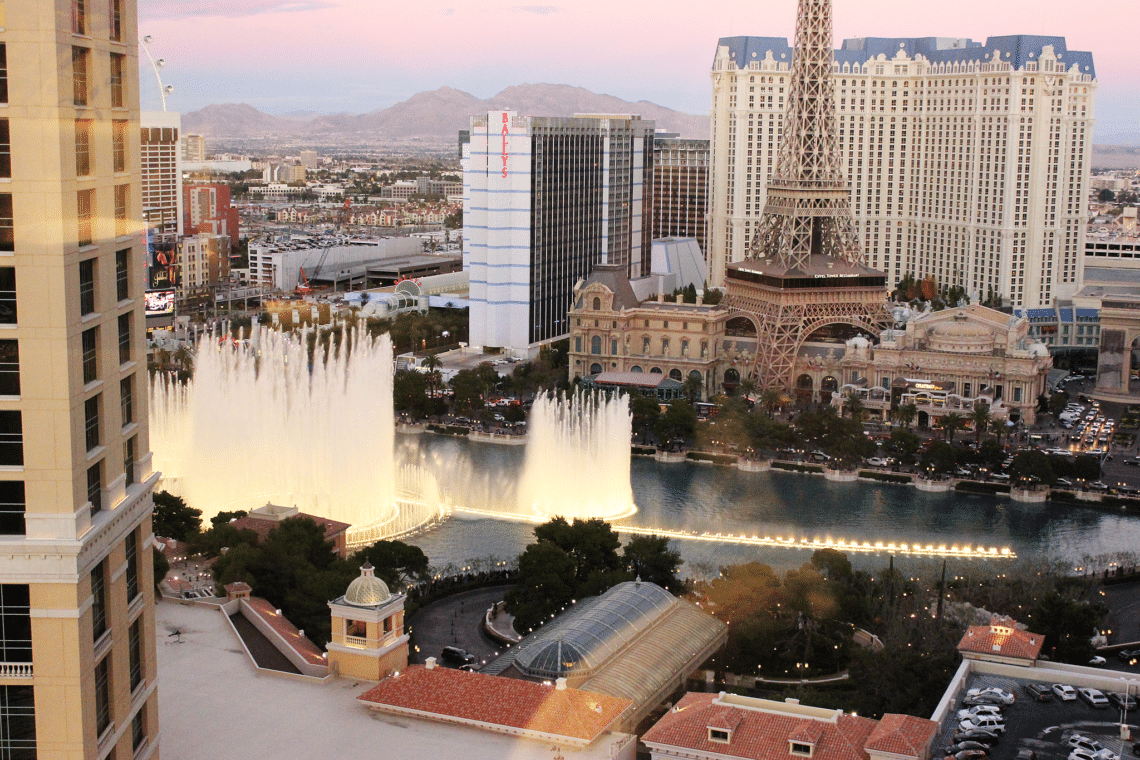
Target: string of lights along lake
701,498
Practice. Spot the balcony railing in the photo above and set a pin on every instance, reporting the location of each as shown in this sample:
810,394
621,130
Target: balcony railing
15,670
356,642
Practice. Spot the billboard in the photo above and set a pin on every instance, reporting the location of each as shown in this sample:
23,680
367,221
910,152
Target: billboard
159,302
162,261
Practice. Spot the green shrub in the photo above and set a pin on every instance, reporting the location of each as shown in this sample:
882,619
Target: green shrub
886,477
973,486
702,456
797,467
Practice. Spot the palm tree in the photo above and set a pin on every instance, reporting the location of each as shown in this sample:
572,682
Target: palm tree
950,423
981,419
747,386
693,388
854,406
770,398
432,364
185,357
905,415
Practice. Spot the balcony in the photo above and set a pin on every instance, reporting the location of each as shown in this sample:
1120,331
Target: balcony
356,642
15,670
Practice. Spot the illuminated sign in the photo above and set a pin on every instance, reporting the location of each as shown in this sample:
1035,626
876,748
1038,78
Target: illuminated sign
830,276
506,133
159,302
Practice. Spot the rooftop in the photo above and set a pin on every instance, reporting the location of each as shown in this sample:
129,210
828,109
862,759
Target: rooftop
1001,638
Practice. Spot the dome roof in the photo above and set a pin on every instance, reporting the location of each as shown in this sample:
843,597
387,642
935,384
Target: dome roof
961,330
367,590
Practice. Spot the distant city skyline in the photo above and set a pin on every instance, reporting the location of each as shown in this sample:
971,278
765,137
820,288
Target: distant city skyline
355,56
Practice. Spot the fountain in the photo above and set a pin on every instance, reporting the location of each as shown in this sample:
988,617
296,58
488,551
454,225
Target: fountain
260,423
578,458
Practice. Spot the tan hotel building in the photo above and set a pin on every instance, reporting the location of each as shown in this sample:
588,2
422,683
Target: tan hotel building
77,638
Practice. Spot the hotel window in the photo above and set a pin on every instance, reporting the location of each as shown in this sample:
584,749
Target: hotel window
7,224
79,65
115,11
117,81
122,222
90,344
124,338
9,368
129,460
86,287
98,600
135,649
85,205
133,586
123,274
11,438
3,73
95,487
126,399
5,150
78,17
12,507
83,147
91,422
138,728
103,695
17,722
15,624
596,345
119,146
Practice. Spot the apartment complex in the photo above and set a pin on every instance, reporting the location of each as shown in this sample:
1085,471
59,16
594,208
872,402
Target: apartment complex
680,187
967,162
161,173
207,209
544,200
78,675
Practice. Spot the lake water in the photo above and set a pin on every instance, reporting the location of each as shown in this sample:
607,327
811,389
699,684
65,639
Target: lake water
701,498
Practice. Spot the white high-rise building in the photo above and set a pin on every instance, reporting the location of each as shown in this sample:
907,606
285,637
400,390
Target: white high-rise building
967,162
544,200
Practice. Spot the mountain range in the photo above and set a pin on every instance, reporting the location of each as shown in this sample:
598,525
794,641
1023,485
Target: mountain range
431,115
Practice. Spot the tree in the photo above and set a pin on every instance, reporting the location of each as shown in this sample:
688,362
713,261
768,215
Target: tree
409,393
544,585
432,364
645,411
1068,626
678,421
591,544
693,387
652,559
173,518
1032,467
903,445
1086,468
747,386
161,566
396,563
980,416
905,415
467,390
950,423
853,405
770,398
224,518
940,457
185,358
1106,195
1057,402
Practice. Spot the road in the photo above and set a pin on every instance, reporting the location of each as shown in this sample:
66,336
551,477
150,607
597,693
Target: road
456,621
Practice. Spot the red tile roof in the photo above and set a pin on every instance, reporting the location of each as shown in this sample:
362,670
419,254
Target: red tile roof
1001,639
763,730
307,649
902,735
262,526
499,704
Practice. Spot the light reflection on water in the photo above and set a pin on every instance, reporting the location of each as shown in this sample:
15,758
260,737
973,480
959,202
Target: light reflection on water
706,498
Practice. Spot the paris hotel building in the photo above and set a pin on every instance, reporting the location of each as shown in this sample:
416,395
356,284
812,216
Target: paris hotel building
77,628
966,161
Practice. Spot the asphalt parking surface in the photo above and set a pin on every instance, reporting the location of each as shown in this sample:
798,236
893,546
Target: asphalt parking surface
455,621
1044,726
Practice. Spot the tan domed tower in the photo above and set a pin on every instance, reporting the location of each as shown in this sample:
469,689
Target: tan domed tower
368,639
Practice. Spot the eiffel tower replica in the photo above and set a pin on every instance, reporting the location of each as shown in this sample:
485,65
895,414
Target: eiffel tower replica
805,269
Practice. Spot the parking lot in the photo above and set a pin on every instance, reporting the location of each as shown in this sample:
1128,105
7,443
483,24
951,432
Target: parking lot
1043,727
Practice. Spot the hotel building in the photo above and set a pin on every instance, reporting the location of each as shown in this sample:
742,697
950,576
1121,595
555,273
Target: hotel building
77,673
544,200
680,188
967,162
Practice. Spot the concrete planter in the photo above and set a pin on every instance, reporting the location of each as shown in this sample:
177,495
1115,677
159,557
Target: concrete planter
933,486
1027,496
409,428
1088,496
502,440
754,465
671,457
841,476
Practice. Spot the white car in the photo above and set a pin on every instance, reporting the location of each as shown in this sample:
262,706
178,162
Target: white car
984,722
1094,697
877,462
1006,697
1104,754
1098,660
1085,744
1064,692
976,710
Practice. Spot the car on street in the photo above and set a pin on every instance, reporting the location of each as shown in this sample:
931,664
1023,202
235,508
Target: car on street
1006,697
877,462
1129,656
1064,692
1122,701
1098,660
1039,691
1093,697
456,657
1084,743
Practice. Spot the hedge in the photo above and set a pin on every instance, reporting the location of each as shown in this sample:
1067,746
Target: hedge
886,477
702,456
797,467
448,429
644,451
973,486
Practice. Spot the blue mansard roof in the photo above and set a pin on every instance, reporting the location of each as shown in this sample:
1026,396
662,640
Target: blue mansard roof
1015,49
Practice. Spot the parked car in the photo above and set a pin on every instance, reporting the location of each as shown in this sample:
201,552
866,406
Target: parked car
456,656
1064,692
970,712
970,754
988,722
981,735
982,699
1084,743
1098,660
1007,697
1104,754
877,462
1122,701
1093,697
1129,656
1026,754
1039,691
954,748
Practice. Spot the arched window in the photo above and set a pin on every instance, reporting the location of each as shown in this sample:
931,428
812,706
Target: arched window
655,371
636,368
597,304
675,374
596,344
595,368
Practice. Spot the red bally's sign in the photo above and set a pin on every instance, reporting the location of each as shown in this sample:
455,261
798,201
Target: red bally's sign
506,132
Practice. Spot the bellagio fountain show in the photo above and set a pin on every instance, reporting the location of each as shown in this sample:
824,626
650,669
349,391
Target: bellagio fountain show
296,421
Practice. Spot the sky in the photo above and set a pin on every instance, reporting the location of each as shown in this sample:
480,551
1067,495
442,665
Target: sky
357,56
